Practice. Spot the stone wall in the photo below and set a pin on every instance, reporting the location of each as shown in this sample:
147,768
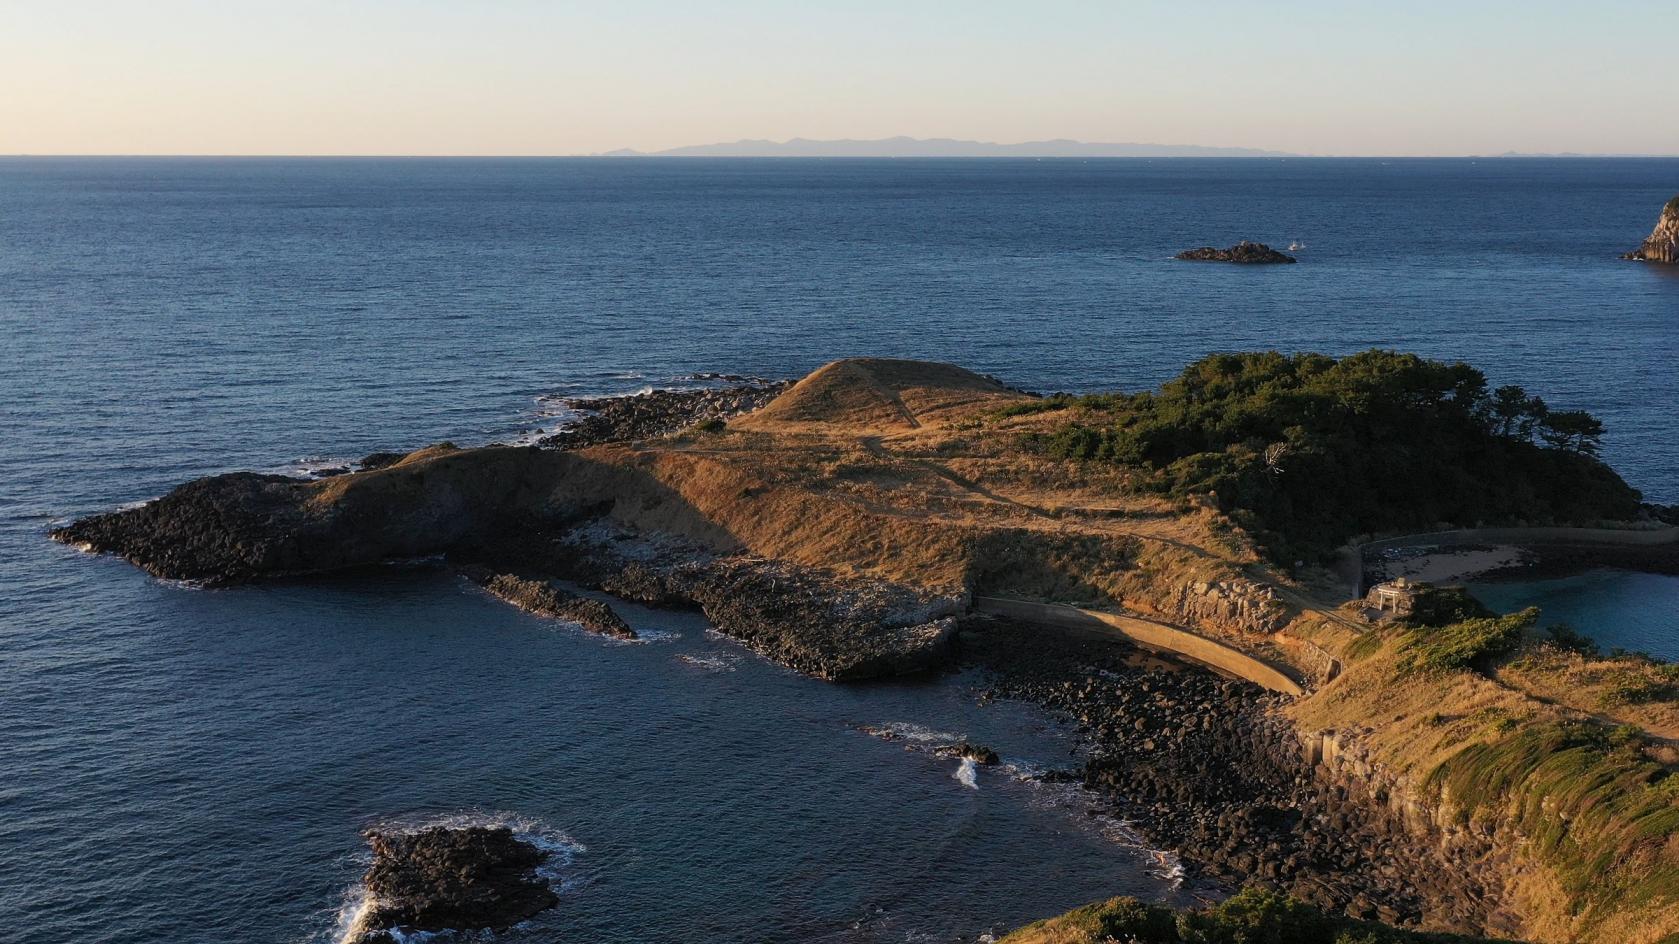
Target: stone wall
1240,606
1148,634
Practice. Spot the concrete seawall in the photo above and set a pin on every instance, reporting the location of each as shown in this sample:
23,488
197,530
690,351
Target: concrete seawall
1149,635
1350,562
1627,537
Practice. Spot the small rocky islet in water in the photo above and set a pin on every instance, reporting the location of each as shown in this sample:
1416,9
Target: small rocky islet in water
449,879
1243,253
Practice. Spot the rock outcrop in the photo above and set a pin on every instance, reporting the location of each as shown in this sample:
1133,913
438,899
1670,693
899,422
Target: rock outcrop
965,750
810,620
1244,253
661,412
449,879
1663,244
1242,606
544,597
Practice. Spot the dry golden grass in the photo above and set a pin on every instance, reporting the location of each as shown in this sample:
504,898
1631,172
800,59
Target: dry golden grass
1625,690
1592,811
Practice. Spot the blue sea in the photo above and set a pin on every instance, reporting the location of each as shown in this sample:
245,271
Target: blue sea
183,765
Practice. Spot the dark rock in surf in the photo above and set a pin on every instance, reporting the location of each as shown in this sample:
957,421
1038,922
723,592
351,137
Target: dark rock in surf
379,460
963,750
442,879
1663,244
1243,253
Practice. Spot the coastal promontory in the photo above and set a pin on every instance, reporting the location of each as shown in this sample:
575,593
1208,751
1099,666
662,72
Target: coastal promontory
1156,567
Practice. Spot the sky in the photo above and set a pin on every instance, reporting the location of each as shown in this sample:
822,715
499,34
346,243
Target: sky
510,77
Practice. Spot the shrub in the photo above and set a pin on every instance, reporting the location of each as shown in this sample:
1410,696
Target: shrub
1466,644
1127,919
1567,638
1443,606
1256,916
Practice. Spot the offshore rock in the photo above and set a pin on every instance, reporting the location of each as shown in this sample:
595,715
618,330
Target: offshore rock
965,750
442,879
1663,244
1244,252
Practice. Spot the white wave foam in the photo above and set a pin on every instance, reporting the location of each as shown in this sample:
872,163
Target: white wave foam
312,467
968,773
915,733
717,663
1080,805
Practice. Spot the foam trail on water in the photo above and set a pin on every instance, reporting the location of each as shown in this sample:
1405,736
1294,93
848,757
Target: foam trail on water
968,773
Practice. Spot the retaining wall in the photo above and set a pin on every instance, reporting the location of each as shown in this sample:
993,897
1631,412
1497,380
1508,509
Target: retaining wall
1150,635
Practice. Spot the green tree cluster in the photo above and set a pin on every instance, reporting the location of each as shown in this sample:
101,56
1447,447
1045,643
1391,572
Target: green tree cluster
1309,450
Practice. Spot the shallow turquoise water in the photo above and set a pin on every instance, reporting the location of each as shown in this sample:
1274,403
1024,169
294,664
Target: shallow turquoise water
1618,608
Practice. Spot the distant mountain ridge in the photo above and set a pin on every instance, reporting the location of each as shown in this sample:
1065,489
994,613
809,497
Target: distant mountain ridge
941,147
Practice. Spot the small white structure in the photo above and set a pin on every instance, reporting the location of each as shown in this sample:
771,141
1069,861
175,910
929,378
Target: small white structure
1397,596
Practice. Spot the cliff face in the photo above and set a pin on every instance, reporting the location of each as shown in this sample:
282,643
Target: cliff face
1663,244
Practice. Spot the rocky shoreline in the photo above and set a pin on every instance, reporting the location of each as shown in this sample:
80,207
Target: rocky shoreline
815,622
656,413
544,597
1206,767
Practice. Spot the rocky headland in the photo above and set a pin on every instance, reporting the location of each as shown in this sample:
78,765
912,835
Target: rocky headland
847,525
1243,253
1663,242
449,879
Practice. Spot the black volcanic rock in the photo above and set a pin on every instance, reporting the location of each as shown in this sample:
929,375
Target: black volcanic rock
380,460
223,528
544,598
662,412
964,750
444,878
1244,253
1663,244
243,526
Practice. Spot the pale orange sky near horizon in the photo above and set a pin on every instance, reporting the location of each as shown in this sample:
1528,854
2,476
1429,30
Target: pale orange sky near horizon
527,78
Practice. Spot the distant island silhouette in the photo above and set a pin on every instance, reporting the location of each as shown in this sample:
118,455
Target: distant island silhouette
941,147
